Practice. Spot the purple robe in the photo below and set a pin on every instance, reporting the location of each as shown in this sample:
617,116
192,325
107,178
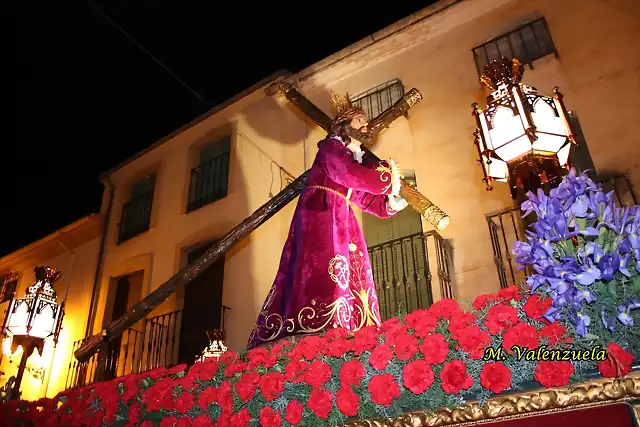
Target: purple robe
324,279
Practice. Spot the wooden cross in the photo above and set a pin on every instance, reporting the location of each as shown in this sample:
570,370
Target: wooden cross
424,206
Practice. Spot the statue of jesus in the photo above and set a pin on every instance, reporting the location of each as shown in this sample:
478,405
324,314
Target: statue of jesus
324,280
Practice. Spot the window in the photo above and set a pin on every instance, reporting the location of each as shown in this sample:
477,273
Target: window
210,179
136,213
527,43
8,287
375,101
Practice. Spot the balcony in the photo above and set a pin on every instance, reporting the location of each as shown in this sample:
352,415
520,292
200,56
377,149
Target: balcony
377,100
209,182
136,216
402,272
136,350
528,43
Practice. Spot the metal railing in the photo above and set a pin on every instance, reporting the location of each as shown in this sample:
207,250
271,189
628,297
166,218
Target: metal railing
528,43
209,182
402,272
134,351
506,227
375,101
136,216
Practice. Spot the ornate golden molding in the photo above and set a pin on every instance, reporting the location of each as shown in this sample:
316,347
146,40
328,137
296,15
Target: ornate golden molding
589,393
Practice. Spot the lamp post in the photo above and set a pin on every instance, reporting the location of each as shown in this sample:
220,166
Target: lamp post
216,346
33,318
523,138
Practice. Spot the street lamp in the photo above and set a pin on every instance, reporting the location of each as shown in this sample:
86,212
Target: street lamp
216,346
523,138
33,318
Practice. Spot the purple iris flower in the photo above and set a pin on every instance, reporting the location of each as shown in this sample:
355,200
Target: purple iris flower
581,323
624,315
586,296
609,265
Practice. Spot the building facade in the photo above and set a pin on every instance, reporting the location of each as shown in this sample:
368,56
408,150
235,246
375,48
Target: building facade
166,205
73,251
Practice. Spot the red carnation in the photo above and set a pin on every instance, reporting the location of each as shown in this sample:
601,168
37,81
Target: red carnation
618,363
228,356
169,421
336,334
422,322
510,293
383,389
271,385
293,412
435,349
380,357
395,333
134,414
474,341
225,397
338,347
536,306
455,378
240,419
204,371
351,373
347,401
390,324
295,371
483,300
257,357
405,347
365,339
553,374
444,308
555,333
495,376
320,402
247,385
521,335
318,374
308,348
184,402
234,368
269,417
202,421
500,317
460,320
417,376
206,397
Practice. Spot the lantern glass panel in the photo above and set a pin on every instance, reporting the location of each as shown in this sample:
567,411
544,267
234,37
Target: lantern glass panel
497,169
18,317
551,132
43,322
563,154
508,134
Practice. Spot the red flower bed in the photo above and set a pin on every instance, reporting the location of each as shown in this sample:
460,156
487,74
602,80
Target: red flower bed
427,360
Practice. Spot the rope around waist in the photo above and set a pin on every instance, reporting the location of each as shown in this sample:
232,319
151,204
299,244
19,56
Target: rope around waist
331,190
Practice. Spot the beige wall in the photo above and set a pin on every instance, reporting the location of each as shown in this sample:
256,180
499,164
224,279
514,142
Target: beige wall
78,276
597,71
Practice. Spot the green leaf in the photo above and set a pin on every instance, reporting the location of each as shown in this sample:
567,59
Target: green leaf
635,285
612,287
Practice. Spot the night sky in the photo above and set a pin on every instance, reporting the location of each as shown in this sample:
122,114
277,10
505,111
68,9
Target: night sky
78,96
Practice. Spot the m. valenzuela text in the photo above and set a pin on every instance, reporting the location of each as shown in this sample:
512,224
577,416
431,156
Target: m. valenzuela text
597,353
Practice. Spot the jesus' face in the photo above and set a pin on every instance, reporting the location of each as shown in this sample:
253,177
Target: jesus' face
359,122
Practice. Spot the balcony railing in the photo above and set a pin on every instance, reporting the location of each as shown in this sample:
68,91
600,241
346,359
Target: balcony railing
375,101
528,43
136,216
209,182
402,272
135,351
507,227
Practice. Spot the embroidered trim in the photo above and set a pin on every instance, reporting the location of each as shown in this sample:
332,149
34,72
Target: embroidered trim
396,176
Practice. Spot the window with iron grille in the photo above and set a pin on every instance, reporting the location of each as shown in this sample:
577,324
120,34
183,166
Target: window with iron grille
375,101
528,43
8,287
136,213
210,179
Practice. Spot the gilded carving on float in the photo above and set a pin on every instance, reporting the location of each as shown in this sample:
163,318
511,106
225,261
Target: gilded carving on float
583,395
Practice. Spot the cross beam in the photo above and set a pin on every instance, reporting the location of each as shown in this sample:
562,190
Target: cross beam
188,273
425,207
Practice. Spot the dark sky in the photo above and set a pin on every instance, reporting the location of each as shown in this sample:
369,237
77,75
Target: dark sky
78,97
